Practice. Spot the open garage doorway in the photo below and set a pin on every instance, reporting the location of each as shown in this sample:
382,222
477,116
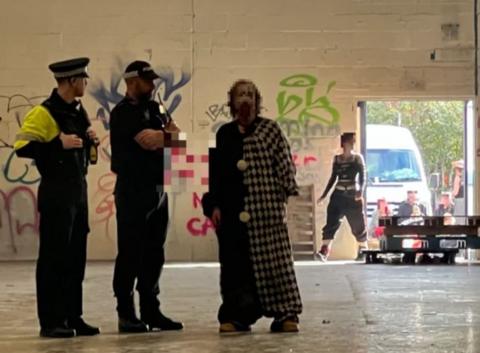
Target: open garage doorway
422,148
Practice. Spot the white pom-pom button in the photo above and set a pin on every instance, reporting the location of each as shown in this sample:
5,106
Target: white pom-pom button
244,216
242,165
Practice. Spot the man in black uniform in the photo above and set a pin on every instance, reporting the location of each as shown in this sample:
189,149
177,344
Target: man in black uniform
57,135
138,133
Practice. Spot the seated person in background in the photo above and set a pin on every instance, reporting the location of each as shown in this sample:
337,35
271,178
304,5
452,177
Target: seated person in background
382,210
445,205
411,210
406,208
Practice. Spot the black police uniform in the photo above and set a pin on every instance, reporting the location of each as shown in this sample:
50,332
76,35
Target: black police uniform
142,207
62,204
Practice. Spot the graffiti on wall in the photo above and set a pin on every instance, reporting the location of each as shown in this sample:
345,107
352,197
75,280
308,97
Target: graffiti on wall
107,95
19,179
167,87
198,226
18,184
218,111
303,114
20,212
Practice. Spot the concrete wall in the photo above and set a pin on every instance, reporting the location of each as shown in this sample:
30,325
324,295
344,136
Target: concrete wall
306,56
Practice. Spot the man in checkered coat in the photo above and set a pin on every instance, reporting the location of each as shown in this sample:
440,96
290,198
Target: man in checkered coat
251,176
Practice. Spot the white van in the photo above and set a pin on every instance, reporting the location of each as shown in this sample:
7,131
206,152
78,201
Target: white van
394,166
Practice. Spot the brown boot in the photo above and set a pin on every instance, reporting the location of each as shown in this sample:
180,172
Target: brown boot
228,327
287,325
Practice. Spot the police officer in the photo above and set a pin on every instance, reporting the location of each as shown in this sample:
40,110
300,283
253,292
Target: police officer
138,133
57,135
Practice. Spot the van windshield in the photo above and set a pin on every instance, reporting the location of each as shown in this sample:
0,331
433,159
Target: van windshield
392,165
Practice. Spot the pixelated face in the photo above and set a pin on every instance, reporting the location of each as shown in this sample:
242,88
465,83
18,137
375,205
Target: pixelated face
350,142
381,204
79,84
412,197
445,200
244,101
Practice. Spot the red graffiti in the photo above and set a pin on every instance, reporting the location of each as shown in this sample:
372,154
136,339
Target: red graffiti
297,160
197,200
199,227
16,226
105,207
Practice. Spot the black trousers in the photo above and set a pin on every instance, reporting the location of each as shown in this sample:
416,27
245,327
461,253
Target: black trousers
342,203
62,253
240,301
142,221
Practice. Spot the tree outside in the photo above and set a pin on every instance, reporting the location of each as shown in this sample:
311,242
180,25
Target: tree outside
437,126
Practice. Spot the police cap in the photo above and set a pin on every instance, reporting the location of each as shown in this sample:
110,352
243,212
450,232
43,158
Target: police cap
140,69
70,68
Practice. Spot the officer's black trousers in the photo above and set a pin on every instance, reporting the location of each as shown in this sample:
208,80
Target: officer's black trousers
62,254
142,220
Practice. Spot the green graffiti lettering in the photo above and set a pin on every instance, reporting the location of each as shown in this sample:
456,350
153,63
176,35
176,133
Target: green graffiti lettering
302,107
288,104
299,80
316,108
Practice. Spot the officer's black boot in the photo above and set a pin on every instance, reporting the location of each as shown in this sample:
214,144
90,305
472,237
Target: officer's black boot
56,332
59,330
127,318
82,328
153,317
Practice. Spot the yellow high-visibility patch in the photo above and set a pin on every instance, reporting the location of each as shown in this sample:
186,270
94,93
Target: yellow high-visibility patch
38,125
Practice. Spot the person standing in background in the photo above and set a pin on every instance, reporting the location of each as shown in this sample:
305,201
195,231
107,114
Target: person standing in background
348,180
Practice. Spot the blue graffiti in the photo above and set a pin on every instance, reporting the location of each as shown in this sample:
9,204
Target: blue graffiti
109,96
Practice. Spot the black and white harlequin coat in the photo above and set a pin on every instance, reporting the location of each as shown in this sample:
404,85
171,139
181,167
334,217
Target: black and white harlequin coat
252,177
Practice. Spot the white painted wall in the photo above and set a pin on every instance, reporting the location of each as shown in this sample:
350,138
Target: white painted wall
369,48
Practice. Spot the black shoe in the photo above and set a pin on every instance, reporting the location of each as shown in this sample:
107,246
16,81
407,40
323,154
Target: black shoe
82,328
57,332
161,322
131,325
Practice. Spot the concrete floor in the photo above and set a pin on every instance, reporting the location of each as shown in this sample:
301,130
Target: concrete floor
348,308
